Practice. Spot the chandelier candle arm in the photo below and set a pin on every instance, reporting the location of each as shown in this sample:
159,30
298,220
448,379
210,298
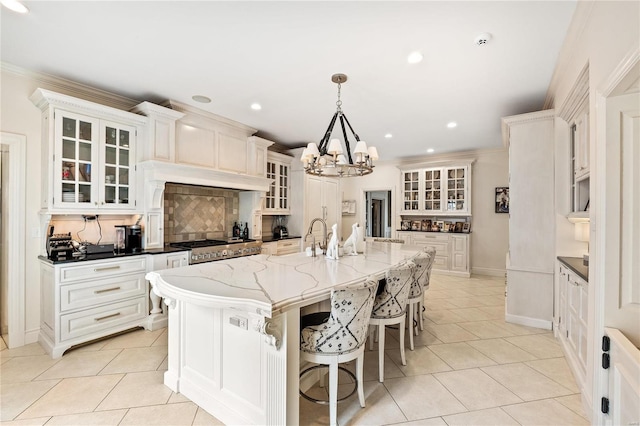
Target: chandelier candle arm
328,158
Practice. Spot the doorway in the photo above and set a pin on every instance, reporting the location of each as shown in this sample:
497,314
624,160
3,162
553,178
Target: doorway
12,229
378,213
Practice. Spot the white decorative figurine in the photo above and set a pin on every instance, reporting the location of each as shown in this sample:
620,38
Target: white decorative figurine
350,247
332,246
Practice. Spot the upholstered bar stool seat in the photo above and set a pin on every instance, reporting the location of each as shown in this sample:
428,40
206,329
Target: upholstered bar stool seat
340,339
390,307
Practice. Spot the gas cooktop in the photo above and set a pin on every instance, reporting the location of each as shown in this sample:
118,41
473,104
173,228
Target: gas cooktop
207,243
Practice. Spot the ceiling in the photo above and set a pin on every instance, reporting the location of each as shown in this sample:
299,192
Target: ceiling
282,55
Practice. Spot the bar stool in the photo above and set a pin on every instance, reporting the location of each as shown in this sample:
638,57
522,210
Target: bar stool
340,339
416,294
431,251
390,307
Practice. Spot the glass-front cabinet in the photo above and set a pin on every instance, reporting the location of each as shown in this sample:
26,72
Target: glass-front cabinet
276,200
93,163
411,190
437,190
88,155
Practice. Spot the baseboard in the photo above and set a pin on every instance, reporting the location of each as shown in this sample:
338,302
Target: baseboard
31,336
491,272
529,322
451,273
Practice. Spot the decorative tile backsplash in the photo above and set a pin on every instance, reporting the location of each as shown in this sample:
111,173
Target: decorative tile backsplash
197,212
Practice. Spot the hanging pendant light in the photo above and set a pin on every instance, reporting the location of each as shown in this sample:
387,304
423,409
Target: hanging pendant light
330,158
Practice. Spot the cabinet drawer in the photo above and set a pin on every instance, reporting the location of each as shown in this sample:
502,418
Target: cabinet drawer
288,246
428,238
87,294
100,319
105,269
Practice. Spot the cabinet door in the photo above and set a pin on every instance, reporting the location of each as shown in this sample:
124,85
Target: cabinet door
563,282
581,146
433,190
456,197
153,232
270,198
331,204
76,156
459,253
117,177
177,260
411,191
283,187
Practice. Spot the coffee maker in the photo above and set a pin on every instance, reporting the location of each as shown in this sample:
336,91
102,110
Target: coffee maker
133,239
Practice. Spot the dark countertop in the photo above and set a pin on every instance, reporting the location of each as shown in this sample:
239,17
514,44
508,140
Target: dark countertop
271,239
111,255
576,265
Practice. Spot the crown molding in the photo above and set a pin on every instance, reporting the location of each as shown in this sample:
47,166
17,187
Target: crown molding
577,98
72,88
523,118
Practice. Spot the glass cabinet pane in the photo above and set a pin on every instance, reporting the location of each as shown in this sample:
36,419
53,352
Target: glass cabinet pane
110,157
124,139
110,137
124,158
68,127
69,149
85,131
84,151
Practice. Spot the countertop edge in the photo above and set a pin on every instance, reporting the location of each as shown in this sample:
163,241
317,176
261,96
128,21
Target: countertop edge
575,264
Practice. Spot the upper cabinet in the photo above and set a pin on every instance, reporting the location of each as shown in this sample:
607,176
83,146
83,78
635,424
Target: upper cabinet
277,198
437,190
580,142
89,155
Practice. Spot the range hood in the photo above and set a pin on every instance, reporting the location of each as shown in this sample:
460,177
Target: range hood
160,171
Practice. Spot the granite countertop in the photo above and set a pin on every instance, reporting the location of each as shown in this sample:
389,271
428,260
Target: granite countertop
576,265
267,285
111,255
271,239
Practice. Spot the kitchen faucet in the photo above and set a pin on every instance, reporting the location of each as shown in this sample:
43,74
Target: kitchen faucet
323,244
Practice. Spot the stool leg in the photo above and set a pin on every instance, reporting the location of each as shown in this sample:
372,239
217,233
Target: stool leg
333,392
381,333
371,332
401,327
416,315
420,316
360,376
410,325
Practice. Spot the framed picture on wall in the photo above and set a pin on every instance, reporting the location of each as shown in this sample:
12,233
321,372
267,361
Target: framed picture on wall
502,199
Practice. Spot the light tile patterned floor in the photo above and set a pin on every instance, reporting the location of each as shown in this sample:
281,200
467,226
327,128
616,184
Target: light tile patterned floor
469,367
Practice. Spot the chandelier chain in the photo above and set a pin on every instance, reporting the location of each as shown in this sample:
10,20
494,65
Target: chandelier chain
339,102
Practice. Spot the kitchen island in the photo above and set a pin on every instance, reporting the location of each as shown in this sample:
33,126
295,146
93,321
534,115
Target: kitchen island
234,326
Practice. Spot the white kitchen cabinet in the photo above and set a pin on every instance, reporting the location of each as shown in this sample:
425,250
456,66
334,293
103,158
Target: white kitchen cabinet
572,318
276,200
312,197
580,142
161,132
282,247
88,155
452,250
83,301
437,190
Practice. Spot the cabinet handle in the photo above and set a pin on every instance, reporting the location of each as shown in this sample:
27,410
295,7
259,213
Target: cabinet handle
107,317
106,268
106,290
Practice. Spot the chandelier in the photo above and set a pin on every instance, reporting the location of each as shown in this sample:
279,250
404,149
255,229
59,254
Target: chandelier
329,159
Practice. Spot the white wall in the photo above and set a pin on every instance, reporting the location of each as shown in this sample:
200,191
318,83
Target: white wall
490,230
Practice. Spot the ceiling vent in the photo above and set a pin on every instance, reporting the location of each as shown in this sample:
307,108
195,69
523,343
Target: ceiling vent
483,39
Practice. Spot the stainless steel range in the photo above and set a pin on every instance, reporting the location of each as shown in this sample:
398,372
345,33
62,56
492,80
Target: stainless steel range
210,250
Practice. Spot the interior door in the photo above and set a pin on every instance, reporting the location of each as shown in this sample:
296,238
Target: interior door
376,218
622,257
622,224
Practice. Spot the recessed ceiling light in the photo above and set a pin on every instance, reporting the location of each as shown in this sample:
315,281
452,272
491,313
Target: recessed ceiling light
201,99
414,57
256,106
15,5
388,136
430,150
452,124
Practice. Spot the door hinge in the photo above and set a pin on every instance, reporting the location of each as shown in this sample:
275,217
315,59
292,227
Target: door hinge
604,405
606,343
605,361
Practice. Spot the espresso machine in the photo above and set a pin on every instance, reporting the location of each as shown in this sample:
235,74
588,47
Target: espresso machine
128,239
